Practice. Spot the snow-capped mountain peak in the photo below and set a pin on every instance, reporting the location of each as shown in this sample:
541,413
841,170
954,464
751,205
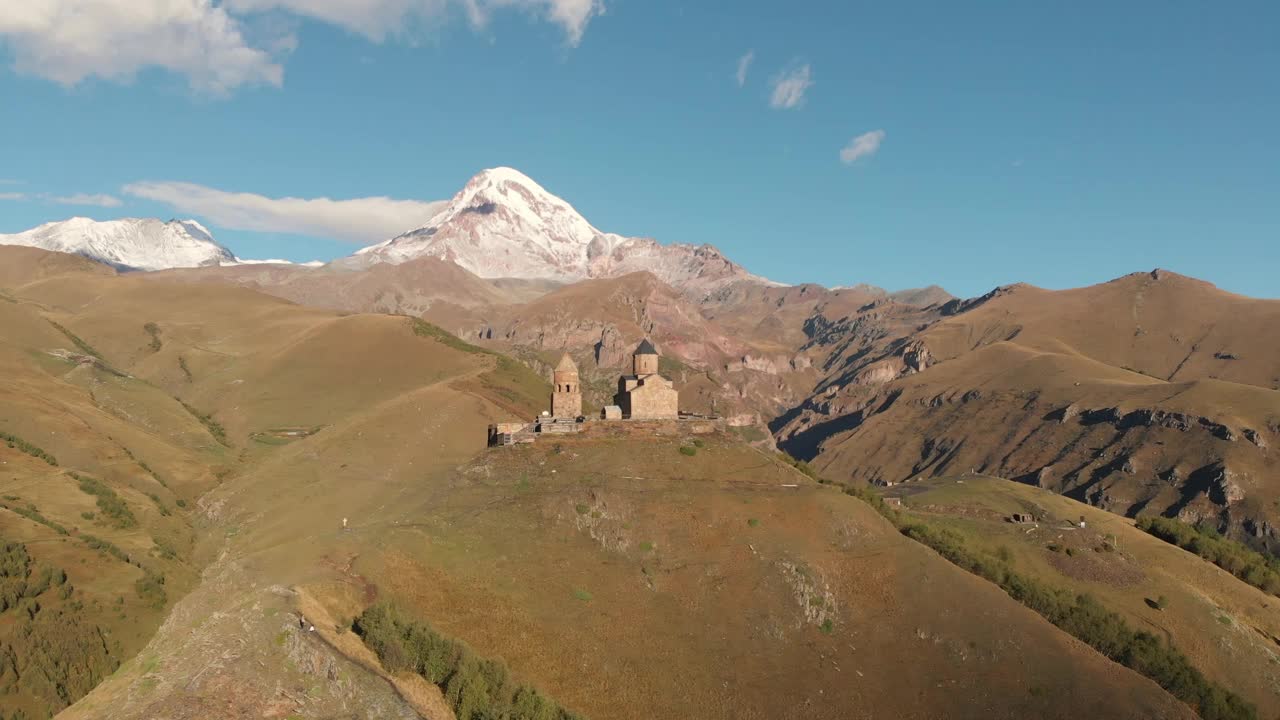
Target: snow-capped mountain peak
501,224
129,243
504,224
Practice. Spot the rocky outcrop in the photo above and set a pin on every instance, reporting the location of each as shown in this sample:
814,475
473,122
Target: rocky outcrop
878,374
916,356
1224,486
1151,417
768,365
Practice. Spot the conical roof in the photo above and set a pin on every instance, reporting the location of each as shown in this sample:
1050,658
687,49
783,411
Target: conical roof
646,348
566,364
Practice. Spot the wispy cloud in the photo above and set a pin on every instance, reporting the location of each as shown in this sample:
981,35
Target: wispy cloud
222,46
861,146
359,220
7,181
790,86
744,64
97,200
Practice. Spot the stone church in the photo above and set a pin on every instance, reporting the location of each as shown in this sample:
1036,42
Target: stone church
642,395
646,395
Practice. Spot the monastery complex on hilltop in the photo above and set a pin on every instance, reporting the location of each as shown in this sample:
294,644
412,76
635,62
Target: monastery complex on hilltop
642,395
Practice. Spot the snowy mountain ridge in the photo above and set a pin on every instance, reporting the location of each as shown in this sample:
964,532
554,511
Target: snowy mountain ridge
130,243
503,224
136,243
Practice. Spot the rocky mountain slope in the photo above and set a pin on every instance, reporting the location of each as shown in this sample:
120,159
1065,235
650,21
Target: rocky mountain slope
1154,393
503,224
129,244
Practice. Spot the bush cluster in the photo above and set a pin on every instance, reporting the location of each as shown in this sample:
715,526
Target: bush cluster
84,347
1083,617
213,426
150,587
476,688
106,546
1260,571
17,443
154,331
31,513
800,465
112,506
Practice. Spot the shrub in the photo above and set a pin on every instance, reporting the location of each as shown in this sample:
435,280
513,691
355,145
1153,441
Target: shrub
214,428
16,443
476,688
96,543
34,515
802,466
1261,571
110,504
154,331
688,451
164,511
150,587
84,347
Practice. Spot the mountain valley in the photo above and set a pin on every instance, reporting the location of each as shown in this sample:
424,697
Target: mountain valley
214,471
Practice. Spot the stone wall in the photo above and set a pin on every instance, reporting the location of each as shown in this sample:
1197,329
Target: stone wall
566,404
655,398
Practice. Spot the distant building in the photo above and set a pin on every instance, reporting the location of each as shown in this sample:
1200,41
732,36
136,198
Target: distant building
646,395
566,397
643,395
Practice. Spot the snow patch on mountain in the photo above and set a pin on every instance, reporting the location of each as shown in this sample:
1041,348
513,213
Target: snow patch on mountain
503,224
130,243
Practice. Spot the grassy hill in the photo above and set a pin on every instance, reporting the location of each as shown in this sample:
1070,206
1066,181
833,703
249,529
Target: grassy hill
1228,629
628,579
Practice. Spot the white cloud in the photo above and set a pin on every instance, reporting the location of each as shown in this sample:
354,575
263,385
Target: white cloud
360,220
744,64
13,196
861,146
69,40
88,199
7,181
376,19
790,86
221,46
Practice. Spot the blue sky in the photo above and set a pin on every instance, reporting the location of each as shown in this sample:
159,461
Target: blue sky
1058,144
